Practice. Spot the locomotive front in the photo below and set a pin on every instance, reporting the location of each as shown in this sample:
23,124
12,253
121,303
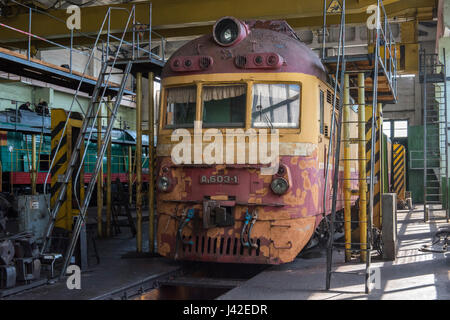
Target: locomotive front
240,173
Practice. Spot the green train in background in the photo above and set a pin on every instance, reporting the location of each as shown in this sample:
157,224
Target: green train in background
16,130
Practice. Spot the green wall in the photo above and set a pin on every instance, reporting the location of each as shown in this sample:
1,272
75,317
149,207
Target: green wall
415,176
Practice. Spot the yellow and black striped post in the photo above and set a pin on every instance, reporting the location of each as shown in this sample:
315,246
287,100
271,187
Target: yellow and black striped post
377,173
69,208
399,179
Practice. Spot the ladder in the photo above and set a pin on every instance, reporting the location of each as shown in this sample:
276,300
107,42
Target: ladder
102,89
120,199
435,133
364,159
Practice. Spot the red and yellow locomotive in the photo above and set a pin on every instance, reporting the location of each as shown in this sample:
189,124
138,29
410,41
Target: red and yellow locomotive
244,78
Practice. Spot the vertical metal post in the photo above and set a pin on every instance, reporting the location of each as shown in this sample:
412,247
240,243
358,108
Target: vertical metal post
380,181
29,34
445,122
150,31
324,27
1,176
384,40
372,155
425,209
11,176
347,170
33,164
130,175
71,48
100,176
151,173
338,147
107,35
108,175
362,166
17,116
134,34
139,160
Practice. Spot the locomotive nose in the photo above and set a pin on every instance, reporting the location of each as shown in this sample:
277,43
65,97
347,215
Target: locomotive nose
229,31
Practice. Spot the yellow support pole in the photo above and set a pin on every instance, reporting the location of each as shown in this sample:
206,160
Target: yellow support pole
151,180
100,177
130,175
108,176
347,170
362,167
33,164
139,161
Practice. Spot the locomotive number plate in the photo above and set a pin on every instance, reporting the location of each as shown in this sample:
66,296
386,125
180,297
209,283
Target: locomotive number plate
219,179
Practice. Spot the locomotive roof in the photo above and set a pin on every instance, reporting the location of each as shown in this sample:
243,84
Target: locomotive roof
264,36
31,122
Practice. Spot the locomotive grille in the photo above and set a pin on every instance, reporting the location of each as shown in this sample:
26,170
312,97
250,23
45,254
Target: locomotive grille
219,246
204,62
329,97
240,61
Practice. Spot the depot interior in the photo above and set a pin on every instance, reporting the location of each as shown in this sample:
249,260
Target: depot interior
93,69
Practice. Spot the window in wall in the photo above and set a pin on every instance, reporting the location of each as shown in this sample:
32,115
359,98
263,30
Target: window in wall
400,129
276,105
181,103
224,106
387,128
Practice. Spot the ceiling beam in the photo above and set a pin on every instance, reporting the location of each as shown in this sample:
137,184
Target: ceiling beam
184,18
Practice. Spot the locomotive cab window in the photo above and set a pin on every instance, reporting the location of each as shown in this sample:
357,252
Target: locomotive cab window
181,105
224,106
276,106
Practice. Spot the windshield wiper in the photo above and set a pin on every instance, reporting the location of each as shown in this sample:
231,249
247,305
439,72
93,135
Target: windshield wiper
266,118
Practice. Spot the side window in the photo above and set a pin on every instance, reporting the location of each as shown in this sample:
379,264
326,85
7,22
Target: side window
224,106
181,105
276,105
322,101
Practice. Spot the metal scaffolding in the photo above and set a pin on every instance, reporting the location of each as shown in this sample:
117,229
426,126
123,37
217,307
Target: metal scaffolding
133,59
356,79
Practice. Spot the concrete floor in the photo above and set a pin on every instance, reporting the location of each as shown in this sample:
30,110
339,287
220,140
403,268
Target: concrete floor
414,274
115,270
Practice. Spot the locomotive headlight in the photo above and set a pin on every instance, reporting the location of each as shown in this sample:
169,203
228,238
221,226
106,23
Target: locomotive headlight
228,31
163,184
279,186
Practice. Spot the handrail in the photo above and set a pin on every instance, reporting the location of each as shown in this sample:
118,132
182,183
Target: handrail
95,39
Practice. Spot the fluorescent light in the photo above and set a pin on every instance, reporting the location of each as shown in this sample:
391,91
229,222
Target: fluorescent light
406,75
